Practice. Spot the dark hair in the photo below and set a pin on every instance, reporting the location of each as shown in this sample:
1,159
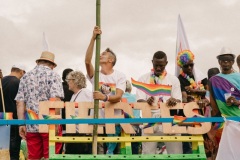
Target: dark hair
113,54
15,70
65,73
238,59
160,55
213,72
46,62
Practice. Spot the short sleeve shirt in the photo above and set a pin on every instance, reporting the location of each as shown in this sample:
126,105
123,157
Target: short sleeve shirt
40,84
109,83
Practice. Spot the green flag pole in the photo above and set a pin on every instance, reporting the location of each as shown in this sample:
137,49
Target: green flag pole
96,76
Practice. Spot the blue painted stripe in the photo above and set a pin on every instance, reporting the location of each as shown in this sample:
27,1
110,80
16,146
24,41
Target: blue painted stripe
112,120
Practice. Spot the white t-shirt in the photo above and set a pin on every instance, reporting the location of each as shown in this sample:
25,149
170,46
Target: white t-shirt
168,80
83,95
108,85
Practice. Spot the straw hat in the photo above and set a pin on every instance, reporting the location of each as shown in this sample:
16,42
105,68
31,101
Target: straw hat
225,51
48,56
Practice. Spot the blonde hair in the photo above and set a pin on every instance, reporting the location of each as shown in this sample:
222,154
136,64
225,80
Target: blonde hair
78,78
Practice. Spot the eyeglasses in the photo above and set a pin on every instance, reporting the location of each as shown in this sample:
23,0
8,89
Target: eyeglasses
67,80
188,65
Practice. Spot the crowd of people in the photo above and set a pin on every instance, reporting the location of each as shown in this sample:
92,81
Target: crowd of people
25,90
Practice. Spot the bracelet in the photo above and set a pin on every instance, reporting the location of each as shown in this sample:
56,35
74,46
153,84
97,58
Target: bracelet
106,98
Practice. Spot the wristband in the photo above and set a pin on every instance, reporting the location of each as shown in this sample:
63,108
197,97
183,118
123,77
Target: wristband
106,98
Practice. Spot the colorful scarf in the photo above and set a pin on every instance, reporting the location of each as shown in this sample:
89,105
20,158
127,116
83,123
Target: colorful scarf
222,84
160,77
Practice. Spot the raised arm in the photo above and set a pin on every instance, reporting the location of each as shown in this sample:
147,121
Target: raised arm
89,53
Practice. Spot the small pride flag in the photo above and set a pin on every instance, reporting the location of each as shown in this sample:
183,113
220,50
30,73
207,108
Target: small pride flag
126,115
31,115
178,119
74,117
49,117
6,115
149,125
153,89
218,125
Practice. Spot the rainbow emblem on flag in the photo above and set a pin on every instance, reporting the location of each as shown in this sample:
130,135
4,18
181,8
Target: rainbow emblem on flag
74,117
149,125
6,115
153,89
126,115
49,117
178,119
218,125
31,115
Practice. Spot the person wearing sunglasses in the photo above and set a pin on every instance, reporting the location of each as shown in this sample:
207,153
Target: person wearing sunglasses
112,83
192,90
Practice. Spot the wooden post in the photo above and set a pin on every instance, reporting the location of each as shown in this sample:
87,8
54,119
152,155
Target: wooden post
96,77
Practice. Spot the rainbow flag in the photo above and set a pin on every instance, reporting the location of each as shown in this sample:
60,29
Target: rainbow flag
6,115
31,115
74,117
149,125
126,115
218,125
49,117
178,119
153,89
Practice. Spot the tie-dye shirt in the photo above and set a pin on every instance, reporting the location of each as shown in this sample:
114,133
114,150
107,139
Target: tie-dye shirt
39,84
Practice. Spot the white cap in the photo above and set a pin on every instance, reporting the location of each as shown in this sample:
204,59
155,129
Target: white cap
22,67
225,51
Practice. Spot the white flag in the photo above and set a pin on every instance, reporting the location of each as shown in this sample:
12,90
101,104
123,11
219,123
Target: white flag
182,44
45,43
230,142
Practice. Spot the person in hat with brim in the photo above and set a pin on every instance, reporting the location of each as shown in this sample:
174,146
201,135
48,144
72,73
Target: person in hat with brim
39,84
10,84
224,88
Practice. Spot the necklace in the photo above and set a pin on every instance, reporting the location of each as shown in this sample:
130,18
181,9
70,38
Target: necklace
154,79
190,80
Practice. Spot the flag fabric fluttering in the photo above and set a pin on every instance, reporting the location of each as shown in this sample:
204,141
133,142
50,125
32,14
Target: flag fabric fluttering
126,115
152,89
49,117
182,42
149,125
230,141
45,43
178,119
6,115
31,115
74,117
181,45
218,125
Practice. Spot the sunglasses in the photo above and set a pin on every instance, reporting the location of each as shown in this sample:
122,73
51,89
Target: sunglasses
188,65
67,80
